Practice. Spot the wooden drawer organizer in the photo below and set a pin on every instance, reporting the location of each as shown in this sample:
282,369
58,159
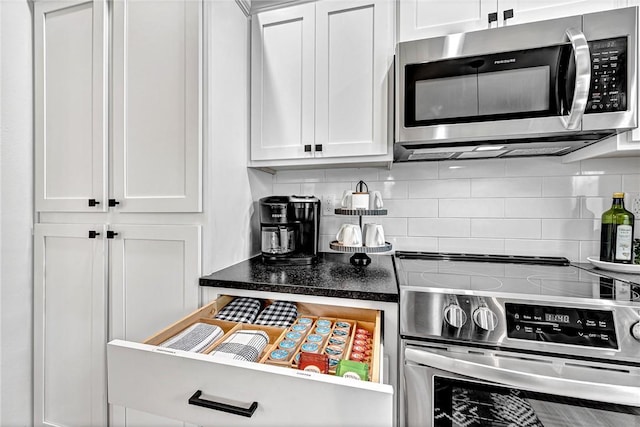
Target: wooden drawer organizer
357,317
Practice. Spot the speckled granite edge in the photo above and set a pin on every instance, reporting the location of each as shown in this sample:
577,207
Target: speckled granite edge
333,277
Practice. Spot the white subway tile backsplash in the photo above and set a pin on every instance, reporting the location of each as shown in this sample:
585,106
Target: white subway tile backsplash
390,189
286,189
620,165
594,207
631,183
298,176
527,206
544,207
412,208
564,248
506,187
439,227
589,248
434,189
471,208
571,229
410,171
351,174
594,186
475,169
426,244
506,228
471,246
541,166
320,189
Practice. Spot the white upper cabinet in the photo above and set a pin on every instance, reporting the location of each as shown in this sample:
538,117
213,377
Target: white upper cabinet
431,18
320,83
151,111
354,40
282,92
70,49
156,105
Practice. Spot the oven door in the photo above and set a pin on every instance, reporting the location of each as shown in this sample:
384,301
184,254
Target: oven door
457,386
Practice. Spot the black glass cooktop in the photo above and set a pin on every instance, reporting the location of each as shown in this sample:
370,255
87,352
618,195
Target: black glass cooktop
504,274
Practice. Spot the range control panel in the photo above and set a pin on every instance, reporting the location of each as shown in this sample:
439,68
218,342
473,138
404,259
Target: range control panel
593,328
608,89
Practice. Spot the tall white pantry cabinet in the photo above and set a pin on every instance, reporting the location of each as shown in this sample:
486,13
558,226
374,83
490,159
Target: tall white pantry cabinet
118,189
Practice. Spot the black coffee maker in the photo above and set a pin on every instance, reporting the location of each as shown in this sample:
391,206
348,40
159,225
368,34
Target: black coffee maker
289,229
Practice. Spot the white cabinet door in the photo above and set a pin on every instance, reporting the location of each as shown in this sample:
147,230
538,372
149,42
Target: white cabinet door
354,53
154,272
156,105
282,83
70,325
537,10
430,18
70,85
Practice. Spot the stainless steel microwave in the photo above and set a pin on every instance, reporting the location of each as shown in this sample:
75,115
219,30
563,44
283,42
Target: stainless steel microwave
542,88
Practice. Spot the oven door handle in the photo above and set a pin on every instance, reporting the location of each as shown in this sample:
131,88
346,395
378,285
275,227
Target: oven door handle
600,392
582,57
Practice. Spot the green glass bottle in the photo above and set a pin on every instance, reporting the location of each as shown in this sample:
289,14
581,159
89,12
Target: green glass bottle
616,237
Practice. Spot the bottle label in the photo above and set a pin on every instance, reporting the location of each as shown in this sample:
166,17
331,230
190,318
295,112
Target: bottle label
623,242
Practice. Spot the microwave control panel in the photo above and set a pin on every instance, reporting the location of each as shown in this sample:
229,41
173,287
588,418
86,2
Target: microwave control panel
561,325
608,89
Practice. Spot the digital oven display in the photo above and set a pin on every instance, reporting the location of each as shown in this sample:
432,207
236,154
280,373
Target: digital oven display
562,325
558,318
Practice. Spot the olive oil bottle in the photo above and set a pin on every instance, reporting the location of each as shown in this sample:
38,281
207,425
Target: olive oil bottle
616,237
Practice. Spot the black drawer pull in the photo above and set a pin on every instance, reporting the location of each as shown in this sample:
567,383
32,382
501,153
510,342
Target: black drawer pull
507,14
93,234
93,202
307,148
493,17
224,407
111,234
318,147
113,202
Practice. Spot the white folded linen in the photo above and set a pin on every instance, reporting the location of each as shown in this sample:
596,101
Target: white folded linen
195,338
242,345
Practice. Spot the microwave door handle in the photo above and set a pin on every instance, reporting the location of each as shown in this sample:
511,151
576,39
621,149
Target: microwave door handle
521,379
582,57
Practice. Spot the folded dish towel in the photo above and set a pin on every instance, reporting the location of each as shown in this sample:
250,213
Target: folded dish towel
243,310
195,338
280,313
242,345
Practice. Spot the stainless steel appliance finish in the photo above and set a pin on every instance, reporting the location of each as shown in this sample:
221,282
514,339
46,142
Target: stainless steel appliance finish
558,343
542,88
289,229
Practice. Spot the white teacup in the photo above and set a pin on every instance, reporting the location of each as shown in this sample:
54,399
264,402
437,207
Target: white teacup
373,235
349,235
375,200
346,199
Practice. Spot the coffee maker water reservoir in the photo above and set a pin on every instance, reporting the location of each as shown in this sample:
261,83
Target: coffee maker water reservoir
289,229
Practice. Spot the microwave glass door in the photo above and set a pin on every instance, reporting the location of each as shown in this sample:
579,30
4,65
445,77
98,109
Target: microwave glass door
521,84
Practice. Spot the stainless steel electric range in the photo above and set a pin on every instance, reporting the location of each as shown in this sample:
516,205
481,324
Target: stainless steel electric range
493,340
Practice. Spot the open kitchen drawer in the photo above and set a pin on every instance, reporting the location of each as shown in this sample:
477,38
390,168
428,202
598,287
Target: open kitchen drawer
195,388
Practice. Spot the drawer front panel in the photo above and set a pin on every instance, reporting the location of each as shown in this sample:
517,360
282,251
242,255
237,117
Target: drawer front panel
161,382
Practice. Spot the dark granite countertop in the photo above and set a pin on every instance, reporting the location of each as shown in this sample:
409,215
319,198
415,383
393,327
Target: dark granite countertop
332,276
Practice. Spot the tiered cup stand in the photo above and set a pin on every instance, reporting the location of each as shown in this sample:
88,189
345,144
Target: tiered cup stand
360,257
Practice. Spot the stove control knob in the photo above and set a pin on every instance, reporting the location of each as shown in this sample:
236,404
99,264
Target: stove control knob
635,331
455,315
485,319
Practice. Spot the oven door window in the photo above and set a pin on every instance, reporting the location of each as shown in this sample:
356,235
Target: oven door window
459,403
511,85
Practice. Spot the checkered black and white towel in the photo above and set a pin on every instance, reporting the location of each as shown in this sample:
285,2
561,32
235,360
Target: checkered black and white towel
242,345
280,314
195,338
243,310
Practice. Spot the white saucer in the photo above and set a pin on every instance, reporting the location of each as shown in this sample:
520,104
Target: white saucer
612,266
